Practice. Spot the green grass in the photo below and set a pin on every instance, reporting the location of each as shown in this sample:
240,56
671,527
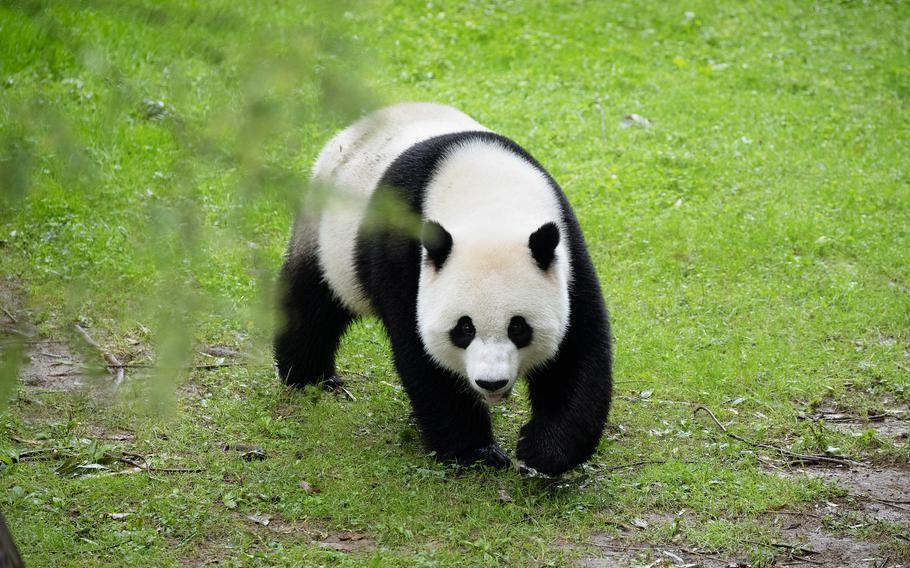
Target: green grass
752,244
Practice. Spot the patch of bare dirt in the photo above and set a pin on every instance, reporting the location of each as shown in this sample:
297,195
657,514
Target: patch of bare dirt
880,493
805,541
874,494
51,365
348,541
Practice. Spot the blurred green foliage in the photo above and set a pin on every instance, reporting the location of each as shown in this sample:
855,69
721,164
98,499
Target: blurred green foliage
174,122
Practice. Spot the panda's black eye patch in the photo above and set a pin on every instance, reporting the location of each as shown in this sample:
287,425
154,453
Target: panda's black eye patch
463,333
520,332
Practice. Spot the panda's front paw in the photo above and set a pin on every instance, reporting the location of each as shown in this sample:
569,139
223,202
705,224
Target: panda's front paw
490,455
540,450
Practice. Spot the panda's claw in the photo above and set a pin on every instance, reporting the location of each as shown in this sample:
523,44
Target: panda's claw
490,455
332,383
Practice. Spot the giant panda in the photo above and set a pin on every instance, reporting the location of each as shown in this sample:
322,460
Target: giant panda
469,253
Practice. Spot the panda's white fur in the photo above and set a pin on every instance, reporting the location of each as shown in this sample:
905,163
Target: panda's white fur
490,200
350,167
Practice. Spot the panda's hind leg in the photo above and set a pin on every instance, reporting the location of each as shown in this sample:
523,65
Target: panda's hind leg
313,326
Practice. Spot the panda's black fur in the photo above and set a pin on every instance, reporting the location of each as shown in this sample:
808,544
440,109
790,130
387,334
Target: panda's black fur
570,394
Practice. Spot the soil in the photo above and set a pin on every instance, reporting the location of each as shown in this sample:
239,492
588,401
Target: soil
51,365
879,493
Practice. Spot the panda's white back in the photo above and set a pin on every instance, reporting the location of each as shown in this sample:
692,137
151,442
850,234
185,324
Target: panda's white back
350,167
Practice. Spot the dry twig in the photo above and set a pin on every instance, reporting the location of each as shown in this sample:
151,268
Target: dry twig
795,456
895,504
113,363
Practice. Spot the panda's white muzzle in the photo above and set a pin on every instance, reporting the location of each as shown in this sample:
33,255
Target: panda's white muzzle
492,368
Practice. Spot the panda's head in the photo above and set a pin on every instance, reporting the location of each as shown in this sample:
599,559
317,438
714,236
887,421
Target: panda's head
492,308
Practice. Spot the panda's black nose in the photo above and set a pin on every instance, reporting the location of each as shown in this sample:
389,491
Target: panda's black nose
491,385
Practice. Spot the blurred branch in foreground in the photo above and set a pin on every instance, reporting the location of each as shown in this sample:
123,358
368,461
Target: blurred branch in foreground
9,556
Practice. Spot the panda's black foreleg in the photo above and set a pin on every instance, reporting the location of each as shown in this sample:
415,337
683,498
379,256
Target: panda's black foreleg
570,399
454,423
314,323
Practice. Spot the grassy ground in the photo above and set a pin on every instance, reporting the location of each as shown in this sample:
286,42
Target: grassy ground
753,242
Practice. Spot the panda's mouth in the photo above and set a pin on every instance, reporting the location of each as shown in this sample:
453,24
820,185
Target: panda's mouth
492,398
495,398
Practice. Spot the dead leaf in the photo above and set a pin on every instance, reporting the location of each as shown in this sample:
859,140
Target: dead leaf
307,488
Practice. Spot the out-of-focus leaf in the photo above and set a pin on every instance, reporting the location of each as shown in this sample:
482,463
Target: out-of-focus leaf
11,356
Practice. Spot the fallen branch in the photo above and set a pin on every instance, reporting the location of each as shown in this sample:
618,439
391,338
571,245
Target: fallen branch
113,363
888,502
38,454
782,545
636,464
797,457
147,467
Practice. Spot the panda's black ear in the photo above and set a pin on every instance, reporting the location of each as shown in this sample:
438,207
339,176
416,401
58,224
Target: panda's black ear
543,244
437,241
